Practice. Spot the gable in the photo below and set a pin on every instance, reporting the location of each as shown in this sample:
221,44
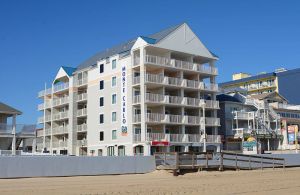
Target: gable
183,39
61,73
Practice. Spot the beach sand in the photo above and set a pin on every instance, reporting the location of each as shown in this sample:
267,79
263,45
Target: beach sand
160,182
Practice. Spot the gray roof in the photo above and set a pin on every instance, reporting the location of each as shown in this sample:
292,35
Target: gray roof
124,47
6,109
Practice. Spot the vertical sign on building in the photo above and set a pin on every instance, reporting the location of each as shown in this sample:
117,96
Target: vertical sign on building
124,101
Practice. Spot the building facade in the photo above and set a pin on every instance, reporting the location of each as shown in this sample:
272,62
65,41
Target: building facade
154,93
14,137
281,81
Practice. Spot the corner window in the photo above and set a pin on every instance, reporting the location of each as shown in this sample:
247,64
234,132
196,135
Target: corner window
101,138
114,116
113,81
101,68
113,64
114,98
101,85
114,134
101,119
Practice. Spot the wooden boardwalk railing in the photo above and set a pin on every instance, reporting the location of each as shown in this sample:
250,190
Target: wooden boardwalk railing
220,160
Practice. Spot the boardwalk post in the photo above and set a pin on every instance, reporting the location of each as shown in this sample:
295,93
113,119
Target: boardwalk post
250,163
261,163
283,164
206,160
236,163
193,160
273,164
175,171
165,158
221,163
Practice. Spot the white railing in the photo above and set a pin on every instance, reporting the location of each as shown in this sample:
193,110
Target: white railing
174,118
60,87
60,101
193,120
82,81
154,78
174,100
243,115
174,81
82,112
177,137
47,119
136,99
136,61
285,106
179,64
213,138
82,143
60,130
82,96
211,121
156,137
136,80
137,137
151,97
44,105
212,104
61,115
137,118
59,144
82,127
155,117
45,92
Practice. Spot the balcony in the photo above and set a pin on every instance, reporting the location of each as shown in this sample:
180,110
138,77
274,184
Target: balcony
176,100
60,130
82,128
60,101
82,143
243,115
178,64
81,112
60,87
82,81
60,115
44,105
47,119
176,119
277,105
178,82
21,129
82,97
178,138
45,92
60,144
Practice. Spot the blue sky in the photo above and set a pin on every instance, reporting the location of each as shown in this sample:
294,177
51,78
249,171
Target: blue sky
37,37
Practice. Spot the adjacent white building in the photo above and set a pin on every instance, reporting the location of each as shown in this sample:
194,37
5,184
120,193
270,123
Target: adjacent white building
153,93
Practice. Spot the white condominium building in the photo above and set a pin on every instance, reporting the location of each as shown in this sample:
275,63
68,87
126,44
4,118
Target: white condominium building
151,94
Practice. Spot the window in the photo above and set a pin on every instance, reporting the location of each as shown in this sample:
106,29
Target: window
101,118
114,98
101,85
101,101
110,151
114,134
101,138
101,68
113,64
100,153
113,81
114,116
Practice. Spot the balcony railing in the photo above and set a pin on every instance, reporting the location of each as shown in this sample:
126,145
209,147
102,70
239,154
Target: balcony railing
82,112
82,128
59,144
60,87
184,65
82,81
44,105
173,81
243,115
20,129
285,106
45,92
60,101
82,143
60,115
60,130
178,138
47,119
82,97
177,119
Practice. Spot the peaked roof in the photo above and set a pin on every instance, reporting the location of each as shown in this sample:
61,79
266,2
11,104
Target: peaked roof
267,95
69,70
126,47
6,109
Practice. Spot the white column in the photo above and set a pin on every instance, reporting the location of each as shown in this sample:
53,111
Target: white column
51,135
13,146
44,130
143,93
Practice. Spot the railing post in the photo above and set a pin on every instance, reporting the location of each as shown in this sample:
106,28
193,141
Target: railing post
165,158
250,163
221,165
261,163
273,163
206,160
236,163
193,156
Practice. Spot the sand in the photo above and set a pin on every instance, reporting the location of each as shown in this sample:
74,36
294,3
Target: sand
160,182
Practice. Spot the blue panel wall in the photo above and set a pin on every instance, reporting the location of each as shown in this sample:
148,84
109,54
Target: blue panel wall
289,85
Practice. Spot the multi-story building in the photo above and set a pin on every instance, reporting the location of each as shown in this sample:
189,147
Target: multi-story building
243,117
14,137
281,81
153,93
